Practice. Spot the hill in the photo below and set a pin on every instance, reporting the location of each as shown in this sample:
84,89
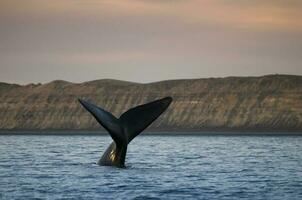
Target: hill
272,102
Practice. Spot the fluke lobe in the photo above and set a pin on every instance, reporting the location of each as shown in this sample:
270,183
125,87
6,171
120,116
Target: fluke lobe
124,129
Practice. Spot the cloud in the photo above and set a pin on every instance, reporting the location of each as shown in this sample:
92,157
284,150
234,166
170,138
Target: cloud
241,14
168,39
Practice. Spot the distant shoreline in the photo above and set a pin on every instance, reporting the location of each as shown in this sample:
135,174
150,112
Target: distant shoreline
180,132
268,103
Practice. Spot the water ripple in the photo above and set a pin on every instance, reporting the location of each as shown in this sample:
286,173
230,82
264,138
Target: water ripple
64,167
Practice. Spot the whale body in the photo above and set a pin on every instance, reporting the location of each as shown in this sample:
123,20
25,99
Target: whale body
125,128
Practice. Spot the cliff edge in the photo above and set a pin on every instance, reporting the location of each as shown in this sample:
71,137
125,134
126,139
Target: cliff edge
272,102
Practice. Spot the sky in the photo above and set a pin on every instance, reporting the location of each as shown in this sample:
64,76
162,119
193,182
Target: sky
148,40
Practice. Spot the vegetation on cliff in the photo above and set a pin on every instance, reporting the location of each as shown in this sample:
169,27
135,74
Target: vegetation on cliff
271,102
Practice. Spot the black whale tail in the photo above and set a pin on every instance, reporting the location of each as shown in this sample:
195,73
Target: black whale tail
126,128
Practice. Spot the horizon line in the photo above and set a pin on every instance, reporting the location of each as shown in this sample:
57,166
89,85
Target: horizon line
121,80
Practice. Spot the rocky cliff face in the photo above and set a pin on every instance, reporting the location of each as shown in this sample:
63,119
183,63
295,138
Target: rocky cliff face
249,103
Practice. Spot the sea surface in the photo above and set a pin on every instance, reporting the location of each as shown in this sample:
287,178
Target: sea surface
158,167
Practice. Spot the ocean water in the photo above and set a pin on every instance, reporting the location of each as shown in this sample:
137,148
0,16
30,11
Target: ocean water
158,167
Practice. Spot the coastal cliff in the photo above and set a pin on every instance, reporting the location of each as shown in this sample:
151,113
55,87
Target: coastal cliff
272,102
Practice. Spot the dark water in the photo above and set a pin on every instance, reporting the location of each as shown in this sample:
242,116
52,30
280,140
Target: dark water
159,167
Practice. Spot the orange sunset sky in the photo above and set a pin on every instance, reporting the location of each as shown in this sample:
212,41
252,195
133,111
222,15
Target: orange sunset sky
148,40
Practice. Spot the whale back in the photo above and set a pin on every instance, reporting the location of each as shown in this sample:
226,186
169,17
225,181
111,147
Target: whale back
114,156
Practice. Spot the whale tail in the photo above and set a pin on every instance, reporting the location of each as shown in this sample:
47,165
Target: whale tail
125,128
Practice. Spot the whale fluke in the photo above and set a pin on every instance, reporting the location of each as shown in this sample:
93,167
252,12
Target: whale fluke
125,128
